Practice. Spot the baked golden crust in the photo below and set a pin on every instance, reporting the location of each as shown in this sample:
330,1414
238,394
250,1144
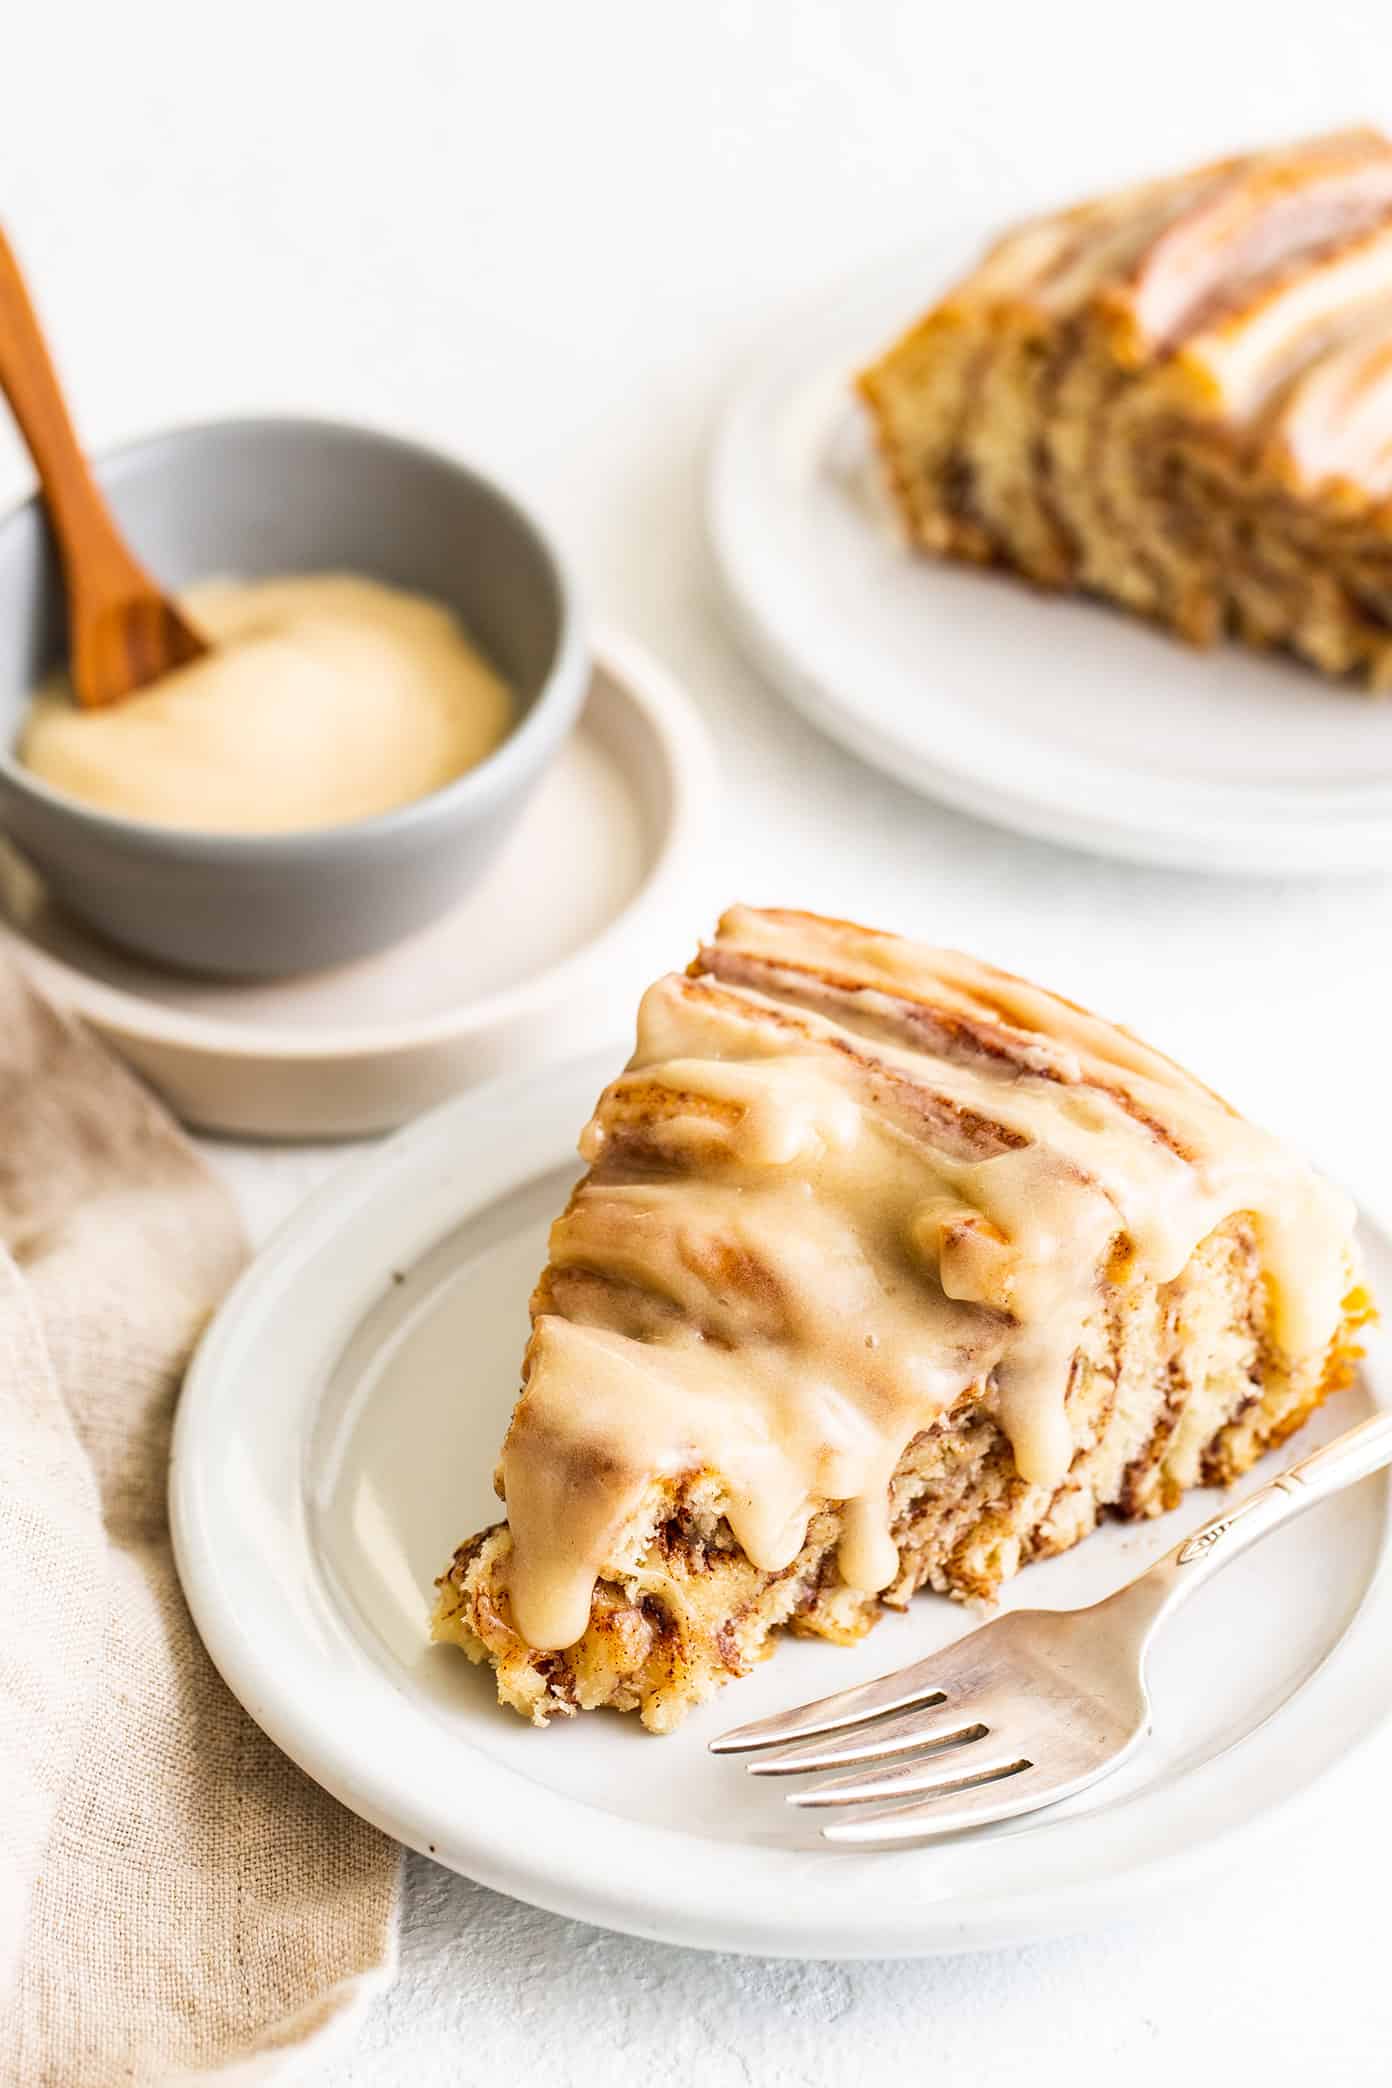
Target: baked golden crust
721,1244
1178,398
693,1613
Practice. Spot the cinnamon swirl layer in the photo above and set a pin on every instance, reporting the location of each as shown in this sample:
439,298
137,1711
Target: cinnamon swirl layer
888,1268
1179,398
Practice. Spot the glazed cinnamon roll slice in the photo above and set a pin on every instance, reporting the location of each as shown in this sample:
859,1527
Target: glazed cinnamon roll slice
1179,398
889,1270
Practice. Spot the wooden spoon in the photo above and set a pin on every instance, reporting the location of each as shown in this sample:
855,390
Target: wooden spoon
122,631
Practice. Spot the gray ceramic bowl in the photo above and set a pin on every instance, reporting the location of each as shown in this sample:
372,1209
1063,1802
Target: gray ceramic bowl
256,497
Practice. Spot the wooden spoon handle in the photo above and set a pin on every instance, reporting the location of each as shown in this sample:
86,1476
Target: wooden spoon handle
121,630
95,560
88,539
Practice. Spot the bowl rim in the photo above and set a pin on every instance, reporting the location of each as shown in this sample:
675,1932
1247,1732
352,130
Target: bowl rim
689,777
507,768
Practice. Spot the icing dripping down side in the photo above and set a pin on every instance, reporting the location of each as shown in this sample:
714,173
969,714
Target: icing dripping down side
844,1182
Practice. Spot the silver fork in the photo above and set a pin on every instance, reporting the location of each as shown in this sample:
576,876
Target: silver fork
1031,1707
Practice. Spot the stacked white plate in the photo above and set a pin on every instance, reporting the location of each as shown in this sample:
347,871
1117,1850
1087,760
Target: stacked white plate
1054,716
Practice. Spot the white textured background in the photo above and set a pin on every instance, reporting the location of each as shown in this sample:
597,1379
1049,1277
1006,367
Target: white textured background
545,234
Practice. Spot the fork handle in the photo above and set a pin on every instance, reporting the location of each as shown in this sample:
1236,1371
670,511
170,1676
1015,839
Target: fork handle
1156,1594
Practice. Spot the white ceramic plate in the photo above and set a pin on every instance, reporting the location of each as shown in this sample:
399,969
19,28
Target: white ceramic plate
336,1439
1056,716
547,955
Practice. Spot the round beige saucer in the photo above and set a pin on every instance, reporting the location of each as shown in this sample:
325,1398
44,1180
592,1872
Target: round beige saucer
590,896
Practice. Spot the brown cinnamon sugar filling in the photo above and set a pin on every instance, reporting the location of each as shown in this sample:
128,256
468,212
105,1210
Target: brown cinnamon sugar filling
1178,398
889,1269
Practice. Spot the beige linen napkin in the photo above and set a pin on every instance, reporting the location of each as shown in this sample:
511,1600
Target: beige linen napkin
177,1901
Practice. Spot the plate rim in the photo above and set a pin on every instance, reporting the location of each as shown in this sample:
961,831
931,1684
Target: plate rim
688,758
583,1876
1222,827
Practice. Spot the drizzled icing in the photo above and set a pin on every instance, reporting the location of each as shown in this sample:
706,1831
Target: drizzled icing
1259,288
845,1180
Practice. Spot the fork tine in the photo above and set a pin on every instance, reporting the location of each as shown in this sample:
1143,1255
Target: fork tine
935,1725
929,1818
971,1803
940,1776
910,1685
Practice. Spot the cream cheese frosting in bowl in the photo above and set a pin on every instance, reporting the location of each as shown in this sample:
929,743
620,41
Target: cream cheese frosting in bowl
404,646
